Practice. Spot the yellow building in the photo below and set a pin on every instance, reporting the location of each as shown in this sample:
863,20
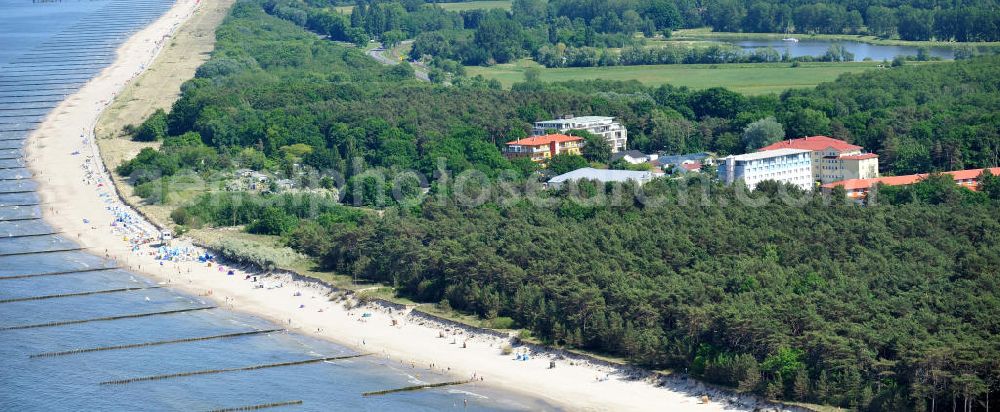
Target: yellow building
542,148
833,159
859,166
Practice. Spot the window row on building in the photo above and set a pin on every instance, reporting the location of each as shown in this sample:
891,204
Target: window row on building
803,162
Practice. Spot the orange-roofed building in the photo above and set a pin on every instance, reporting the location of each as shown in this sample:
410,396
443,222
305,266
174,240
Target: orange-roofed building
859,188
542,148
833,159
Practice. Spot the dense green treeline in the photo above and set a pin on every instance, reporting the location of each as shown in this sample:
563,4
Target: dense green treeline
274,96
892,306
966,21
941,20
265,214
573,33
888,307
927,100
937,117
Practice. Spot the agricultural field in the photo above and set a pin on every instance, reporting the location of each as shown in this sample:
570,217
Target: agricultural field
458,6
755,78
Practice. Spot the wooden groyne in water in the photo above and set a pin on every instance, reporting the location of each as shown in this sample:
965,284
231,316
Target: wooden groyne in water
214,371
157,343
259,406
63,272
38,252
66,295
415,388
73,322
10,236
19,219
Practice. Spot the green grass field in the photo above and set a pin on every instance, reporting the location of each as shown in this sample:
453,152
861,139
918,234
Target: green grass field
476,5
756,78
458,6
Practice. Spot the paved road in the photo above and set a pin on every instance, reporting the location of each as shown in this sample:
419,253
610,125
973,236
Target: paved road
378,54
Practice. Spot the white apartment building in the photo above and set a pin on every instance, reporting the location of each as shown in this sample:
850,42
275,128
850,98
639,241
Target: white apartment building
782,165
612,131
832,159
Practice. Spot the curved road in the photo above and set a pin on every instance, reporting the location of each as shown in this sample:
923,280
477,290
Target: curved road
378,54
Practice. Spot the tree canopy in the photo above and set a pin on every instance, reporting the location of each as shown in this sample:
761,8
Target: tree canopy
888,306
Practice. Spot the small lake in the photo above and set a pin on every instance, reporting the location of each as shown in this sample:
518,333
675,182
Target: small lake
817,47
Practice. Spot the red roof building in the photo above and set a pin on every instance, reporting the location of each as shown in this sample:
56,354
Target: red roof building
813,143
545,140
541,148
832,159
859,157
692,167
858,188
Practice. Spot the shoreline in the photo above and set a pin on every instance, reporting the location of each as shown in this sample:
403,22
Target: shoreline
706,34
80,198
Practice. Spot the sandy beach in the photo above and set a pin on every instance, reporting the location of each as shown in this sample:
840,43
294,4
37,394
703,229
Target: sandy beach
80,201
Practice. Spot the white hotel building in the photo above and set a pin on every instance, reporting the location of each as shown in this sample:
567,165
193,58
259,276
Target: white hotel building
782,165
613,132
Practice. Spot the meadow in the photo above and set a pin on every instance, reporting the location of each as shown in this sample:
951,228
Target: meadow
751,78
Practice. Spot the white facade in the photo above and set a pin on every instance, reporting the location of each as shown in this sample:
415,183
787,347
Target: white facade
782,165
634,157
612,131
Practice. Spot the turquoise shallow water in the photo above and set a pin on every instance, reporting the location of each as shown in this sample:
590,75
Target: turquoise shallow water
47,50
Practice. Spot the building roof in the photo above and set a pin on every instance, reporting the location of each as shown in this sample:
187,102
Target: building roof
853,184
544,140
812,143
674,159
635,154
602,175
858,157
581,119
587,119
691,167
768,154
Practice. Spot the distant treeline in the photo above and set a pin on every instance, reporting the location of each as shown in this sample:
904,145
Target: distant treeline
498,36
284,97
968,21
570,33
884,307
556,56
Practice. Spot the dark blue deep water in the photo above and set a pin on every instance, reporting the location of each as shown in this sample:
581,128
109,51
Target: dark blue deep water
47,51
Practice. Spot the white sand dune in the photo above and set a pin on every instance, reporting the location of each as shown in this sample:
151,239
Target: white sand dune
79,200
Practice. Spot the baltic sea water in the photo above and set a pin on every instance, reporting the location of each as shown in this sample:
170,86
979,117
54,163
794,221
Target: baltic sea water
47,51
